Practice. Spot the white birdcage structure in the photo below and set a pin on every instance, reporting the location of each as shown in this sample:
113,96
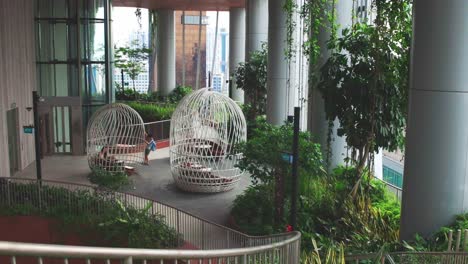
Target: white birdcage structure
205,127
115,138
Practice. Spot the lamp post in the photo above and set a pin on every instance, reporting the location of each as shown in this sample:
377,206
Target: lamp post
37,139
295,176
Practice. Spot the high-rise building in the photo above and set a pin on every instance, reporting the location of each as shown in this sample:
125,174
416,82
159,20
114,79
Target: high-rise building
191,22
221,63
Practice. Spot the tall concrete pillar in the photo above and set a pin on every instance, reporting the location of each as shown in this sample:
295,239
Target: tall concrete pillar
236,48
318,124
277,98
166,76
435,187
256,27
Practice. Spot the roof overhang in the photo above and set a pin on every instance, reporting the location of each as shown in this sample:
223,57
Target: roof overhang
199,5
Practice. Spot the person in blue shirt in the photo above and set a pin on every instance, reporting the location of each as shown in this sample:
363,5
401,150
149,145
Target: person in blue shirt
150,146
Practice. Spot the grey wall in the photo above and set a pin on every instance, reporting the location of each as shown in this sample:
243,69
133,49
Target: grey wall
17,75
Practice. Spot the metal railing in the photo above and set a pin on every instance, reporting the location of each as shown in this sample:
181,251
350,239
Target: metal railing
411,258
395,190
215,243
159,129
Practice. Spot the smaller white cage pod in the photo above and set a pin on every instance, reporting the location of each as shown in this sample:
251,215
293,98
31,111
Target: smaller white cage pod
115,138
204,128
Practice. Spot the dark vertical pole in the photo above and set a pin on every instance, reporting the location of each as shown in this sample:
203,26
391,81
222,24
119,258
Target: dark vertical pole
209,79
122,77
36,136
295,176
230,87
107,42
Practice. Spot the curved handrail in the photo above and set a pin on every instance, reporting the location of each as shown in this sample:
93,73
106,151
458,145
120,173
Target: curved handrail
213,240
47,250
142,197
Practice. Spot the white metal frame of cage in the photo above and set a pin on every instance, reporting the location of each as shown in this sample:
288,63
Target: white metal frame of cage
115,138
205,127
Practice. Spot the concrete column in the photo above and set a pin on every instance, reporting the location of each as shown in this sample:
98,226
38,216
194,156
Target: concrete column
435,186
166,76
318,124
256,25
236,48
378,164
277,98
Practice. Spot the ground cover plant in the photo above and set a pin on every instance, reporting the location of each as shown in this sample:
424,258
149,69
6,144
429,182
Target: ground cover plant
110,180
98,217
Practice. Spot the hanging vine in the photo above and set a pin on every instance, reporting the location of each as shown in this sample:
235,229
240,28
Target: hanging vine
318,15
138,16
290,8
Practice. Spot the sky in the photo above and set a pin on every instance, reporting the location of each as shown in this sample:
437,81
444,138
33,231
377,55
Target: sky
125,22
223,19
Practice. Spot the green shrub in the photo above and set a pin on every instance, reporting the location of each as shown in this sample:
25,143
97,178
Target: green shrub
153,97
126,95
263,153
153,112
96,217
178,93
253,210
110,180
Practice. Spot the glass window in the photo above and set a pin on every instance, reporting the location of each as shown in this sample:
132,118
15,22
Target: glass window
92,9
93,41
392,177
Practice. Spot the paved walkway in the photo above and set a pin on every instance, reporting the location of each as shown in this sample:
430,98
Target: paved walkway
154,181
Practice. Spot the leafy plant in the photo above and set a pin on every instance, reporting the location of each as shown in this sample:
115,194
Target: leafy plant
251,76
140,224
110,180
264,158
364,83
253,211
265,153
179,92
131,60
332,255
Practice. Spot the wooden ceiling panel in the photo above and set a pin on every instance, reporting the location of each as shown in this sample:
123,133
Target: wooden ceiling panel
201,5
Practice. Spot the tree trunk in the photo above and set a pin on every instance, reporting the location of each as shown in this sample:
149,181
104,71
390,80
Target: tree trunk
134,90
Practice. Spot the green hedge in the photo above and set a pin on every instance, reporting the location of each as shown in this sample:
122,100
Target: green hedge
153,112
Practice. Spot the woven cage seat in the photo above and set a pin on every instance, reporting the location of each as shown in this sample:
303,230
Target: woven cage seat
204,128
115,138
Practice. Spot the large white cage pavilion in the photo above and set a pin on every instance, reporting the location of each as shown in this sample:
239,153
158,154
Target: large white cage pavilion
115,138
205,127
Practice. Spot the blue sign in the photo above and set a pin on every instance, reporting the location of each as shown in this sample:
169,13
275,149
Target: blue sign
28,129
287,157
